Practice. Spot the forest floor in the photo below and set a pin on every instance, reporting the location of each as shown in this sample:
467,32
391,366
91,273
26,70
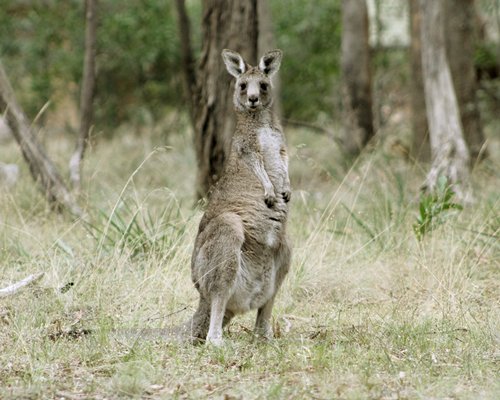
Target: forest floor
367,311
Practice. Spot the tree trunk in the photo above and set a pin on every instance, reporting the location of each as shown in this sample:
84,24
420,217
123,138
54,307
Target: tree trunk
225,24
356,77
460,38
87,95
420,147
450,156
267,42
41,168
188,64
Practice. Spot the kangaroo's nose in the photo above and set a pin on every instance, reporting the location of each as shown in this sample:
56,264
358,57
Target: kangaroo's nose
253,99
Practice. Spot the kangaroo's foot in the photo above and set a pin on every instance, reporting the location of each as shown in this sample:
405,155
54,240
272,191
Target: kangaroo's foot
217,312
263,327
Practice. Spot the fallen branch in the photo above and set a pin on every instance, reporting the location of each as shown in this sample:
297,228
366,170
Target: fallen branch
42,169
14,288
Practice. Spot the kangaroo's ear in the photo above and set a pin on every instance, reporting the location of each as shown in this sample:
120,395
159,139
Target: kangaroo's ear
234,63
270,62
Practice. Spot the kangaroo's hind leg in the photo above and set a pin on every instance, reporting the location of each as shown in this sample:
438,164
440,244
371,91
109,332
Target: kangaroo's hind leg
263,326
196,328
217,263
282,262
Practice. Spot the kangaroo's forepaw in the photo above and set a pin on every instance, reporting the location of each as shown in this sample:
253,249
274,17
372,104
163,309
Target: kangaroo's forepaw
270,200
287,195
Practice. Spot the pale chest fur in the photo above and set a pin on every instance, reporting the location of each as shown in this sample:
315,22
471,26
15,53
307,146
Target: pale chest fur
272,147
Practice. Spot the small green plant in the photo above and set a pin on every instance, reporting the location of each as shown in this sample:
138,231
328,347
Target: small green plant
434,207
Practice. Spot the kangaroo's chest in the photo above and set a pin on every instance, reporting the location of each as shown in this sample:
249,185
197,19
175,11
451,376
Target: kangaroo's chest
271,144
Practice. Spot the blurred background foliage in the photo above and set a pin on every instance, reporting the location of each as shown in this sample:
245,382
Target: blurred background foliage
41,43
312,64
138,60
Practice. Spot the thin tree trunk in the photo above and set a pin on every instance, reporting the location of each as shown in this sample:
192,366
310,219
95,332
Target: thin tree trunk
420,148
460,38
450,156
225,24
356,77
42,169
377,51
188,64
87,94
267,42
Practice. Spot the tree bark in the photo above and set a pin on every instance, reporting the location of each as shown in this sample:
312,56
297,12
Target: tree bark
420,148
356,77
87,94
450,156
225,24
460,38
267,42
42,169
188,63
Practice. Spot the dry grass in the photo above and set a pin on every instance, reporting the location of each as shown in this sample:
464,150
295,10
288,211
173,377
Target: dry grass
367,311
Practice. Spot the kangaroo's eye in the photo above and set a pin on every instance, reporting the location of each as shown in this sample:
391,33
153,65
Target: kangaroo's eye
243,86
263,86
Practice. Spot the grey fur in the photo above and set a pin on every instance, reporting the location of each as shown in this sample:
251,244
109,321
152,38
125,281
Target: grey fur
242,252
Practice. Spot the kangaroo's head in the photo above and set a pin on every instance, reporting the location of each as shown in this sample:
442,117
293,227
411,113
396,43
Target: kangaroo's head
253,88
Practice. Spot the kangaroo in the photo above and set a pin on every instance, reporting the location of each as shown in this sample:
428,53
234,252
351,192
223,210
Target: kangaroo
242,252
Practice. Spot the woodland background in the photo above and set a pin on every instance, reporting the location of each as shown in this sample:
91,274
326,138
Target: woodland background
394,290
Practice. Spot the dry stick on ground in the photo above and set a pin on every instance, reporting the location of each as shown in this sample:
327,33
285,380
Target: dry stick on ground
14,288
41,167
87,95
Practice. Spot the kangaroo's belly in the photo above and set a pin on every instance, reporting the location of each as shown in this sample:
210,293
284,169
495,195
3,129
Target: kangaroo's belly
255,283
